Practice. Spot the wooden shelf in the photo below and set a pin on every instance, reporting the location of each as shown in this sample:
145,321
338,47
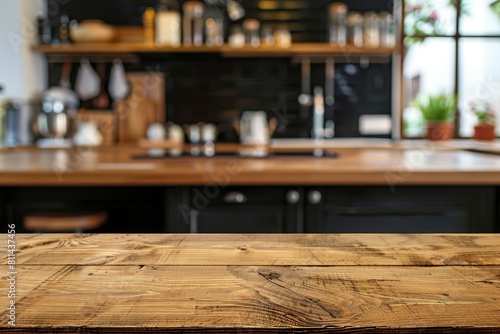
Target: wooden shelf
298,49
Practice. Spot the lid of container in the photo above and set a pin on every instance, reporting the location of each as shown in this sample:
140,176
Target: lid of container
338,7
193,6
251,24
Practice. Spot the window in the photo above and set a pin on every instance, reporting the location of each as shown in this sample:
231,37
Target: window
451,47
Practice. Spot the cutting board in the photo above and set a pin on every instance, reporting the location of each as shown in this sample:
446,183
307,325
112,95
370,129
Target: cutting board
144,106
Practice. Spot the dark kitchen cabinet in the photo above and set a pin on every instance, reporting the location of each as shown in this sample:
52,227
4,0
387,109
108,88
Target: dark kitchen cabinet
3,217
128,209
346,209
496,213
404,210
236,210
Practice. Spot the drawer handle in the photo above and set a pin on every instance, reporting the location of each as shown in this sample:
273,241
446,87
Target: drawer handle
235,197
293,197
314,197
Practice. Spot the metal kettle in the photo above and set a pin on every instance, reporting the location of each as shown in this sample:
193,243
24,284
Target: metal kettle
254,127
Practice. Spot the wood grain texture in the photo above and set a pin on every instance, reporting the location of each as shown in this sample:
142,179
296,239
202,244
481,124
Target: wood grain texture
225,297
263,283
258,250
371,166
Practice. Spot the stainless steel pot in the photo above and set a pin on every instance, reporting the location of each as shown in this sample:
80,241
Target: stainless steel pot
54,121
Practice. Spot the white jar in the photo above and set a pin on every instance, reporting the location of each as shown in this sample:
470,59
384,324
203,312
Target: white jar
168,27
87,134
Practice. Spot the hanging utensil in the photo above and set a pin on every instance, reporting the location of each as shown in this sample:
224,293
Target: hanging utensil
87,81
305,99
330,82
102,100
118,87
329,131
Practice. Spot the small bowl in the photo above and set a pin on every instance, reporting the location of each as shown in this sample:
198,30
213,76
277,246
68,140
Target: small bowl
92,31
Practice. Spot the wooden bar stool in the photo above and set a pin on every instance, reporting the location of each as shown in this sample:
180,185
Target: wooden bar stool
77,222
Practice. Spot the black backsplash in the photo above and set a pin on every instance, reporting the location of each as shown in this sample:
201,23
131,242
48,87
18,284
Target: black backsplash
209,88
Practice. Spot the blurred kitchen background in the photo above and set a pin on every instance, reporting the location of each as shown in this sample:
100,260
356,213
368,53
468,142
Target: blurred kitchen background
444,53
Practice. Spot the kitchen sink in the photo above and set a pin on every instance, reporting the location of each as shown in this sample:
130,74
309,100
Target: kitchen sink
306,153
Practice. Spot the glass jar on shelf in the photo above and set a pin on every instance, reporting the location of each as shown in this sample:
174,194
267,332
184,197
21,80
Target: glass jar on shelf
283,38
371,36
168,24
355,29
387,30
236,37
337,23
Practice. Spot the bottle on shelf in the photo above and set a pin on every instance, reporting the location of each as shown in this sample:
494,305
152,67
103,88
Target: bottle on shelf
64,29
213,17
193,23
338,23
148,22
168,24
44,30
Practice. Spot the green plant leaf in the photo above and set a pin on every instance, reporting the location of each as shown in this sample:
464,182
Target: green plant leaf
437,108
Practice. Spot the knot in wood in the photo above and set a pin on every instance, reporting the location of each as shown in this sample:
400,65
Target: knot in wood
270,275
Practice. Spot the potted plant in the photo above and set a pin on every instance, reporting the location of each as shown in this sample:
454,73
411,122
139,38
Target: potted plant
438,112
485,128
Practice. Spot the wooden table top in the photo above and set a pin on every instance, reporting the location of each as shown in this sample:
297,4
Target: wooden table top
427,164
255,283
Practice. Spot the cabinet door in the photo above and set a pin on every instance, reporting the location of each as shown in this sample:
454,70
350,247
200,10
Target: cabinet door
406,210
240,210
239,219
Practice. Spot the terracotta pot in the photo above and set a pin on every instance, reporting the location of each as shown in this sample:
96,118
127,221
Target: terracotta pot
440,131
484,132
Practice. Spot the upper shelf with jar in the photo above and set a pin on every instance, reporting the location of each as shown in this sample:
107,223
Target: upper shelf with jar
200,30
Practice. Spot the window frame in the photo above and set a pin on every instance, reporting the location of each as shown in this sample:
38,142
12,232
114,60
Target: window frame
457,37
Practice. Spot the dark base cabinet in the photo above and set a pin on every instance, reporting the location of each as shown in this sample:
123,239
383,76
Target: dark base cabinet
129,209
346,209
238,210
404,210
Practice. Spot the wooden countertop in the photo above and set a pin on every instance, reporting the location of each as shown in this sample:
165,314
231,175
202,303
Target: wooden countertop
255,283
418,163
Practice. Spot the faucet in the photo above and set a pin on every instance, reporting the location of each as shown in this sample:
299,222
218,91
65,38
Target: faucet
318,131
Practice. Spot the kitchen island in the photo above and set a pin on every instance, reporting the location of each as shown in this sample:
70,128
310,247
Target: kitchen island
255,283
380,187
423,163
